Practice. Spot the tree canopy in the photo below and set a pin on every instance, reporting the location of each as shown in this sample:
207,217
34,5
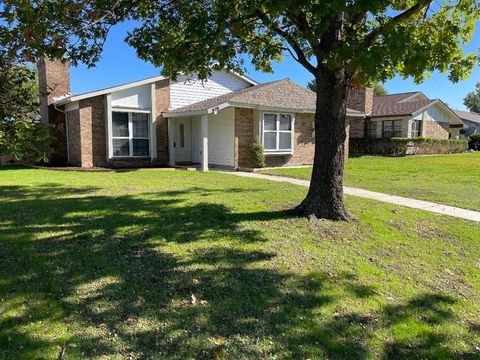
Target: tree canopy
472,100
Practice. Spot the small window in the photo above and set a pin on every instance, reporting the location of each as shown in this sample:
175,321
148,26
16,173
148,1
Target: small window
277,132
392,128
416,129
130,134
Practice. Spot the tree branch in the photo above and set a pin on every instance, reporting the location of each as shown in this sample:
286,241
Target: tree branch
407,14
301,58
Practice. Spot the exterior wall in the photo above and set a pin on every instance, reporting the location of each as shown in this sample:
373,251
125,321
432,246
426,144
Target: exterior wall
185,91
221,138
74,142
435,122
86,133
162,103
137,97
244,135
361,100
304,140
437,130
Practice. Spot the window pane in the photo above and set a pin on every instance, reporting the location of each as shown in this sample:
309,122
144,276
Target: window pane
270,122
270,140
140,125
120,147
140,147
285,141
285,122
119,124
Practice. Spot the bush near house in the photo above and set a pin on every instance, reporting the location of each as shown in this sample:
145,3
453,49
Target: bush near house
404,146
257,159
474,142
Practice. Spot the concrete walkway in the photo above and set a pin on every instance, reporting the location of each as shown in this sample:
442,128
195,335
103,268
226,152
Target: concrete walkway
392,199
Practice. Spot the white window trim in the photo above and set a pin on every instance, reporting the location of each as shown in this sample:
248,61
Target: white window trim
278,131
419,131
130,136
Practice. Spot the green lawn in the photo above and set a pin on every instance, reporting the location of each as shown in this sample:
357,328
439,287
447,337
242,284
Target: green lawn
185,265
446,179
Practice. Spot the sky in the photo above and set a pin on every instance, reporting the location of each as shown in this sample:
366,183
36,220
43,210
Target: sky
120,64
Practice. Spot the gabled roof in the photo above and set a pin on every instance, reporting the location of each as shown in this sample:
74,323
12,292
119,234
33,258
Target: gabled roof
469,116
280,94
71,98
406,104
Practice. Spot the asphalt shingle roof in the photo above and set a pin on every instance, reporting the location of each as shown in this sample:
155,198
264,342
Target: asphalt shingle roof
393,105
281,93
467,115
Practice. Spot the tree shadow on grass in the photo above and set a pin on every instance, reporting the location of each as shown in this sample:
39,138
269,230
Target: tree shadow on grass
113,270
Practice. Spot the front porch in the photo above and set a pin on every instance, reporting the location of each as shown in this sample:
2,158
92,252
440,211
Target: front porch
202,141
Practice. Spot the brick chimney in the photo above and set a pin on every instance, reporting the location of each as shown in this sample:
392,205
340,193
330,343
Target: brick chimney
53,81
361,100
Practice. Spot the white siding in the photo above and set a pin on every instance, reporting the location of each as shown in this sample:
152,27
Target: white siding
434,113
137,97
186,91
221,134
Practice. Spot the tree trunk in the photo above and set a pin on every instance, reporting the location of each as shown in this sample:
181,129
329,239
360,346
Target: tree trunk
325,196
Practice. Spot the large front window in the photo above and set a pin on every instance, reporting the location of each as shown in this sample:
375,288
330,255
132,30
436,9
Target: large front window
392,128
277,132
130,134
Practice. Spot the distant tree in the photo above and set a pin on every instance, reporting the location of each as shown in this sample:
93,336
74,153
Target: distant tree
378,87
472,100
341,43
21,134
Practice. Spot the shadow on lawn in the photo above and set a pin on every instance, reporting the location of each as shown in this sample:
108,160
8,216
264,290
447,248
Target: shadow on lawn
104,262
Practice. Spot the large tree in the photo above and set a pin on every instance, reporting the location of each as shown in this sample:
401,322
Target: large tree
339,42
472,100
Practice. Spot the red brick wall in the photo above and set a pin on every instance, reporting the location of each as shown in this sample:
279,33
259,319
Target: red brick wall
244,136
54,81
162,101
361,100
87,136
74,145
434,129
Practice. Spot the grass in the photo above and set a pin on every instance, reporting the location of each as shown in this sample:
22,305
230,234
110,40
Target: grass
182,265
446,179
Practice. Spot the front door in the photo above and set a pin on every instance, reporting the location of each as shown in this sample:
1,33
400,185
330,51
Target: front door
183,140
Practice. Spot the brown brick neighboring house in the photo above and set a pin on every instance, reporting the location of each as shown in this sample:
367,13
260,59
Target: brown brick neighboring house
406,115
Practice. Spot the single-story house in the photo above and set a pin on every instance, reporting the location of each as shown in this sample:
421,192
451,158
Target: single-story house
161,121
471,121
406,115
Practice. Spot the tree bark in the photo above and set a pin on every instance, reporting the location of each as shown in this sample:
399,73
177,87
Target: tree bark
325,195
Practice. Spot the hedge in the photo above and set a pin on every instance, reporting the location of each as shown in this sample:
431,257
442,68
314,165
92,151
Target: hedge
405,146
474,142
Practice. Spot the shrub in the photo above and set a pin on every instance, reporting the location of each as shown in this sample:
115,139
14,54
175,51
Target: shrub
257,157
474,142
404,146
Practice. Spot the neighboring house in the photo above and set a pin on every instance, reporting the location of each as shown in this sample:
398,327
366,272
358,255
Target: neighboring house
406,115
471,121
159,121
